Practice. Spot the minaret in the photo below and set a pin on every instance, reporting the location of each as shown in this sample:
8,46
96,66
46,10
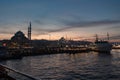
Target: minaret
29,31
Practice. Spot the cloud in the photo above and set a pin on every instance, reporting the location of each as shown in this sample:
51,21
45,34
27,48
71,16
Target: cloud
115,27
90,23
39,22
115,37
70,25
47,31
12,28
112,37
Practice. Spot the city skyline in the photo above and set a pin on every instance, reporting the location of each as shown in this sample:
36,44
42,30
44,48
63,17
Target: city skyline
74,19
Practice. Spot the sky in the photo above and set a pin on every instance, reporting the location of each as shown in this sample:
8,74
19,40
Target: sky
53,19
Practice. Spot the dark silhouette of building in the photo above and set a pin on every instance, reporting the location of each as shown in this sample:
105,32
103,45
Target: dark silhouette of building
19,39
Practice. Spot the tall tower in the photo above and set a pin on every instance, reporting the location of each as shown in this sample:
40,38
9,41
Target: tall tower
29,31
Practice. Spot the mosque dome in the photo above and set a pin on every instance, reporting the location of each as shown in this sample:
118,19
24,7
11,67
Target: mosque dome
19,37
19,33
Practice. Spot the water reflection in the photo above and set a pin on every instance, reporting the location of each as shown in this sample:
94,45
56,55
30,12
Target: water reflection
85,66
104,65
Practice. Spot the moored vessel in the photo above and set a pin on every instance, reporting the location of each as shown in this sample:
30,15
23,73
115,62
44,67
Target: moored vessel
101,45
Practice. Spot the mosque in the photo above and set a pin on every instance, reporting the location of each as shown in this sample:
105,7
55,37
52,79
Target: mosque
20,40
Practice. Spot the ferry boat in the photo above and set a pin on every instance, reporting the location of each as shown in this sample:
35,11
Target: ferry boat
101,45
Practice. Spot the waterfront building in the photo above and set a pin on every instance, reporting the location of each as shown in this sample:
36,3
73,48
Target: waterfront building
62,42
19,40
19,36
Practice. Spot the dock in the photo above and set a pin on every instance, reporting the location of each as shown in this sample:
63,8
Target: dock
19,53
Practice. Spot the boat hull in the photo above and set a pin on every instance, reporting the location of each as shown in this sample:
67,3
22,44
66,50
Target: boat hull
101,47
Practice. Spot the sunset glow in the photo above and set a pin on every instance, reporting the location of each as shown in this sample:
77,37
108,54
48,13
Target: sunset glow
76,20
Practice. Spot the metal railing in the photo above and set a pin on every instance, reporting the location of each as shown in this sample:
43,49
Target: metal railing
17,74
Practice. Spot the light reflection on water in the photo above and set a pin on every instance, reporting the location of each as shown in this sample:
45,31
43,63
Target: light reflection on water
80,66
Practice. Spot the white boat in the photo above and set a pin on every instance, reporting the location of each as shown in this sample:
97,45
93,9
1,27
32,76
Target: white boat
101,46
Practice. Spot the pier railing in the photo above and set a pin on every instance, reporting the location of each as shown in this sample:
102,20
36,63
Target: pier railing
17,75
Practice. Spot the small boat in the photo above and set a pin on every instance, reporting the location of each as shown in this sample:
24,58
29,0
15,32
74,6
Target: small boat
101,46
